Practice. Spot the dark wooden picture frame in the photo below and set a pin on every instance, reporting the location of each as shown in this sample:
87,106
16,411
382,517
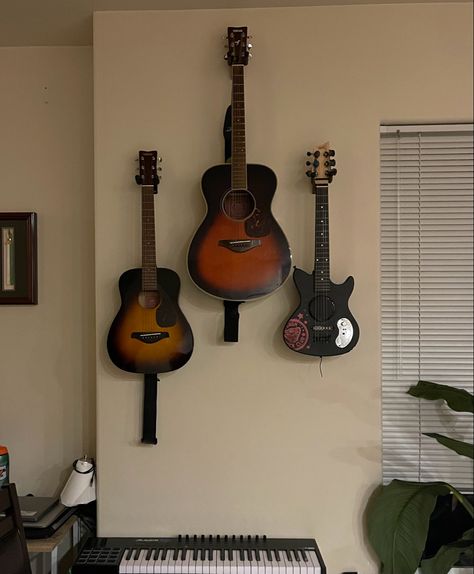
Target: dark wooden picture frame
18,258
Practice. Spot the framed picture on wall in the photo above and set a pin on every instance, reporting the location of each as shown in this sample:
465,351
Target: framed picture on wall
18,259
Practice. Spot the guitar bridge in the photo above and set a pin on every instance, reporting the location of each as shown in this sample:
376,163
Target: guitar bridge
149,338
240,245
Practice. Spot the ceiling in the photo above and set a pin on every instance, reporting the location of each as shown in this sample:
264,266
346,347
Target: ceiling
69,22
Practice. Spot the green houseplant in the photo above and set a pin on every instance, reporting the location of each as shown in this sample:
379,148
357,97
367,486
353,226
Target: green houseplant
398,515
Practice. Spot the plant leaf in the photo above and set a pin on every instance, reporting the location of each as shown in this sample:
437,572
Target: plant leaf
448,555
459,446
398,520
463,500
458,399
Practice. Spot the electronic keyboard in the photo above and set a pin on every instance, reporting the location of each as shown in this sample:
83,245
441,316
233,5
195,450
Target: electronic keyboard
200,555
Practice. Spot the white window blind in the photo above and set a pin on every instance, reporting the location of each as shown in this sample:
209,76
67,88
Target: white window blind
427,296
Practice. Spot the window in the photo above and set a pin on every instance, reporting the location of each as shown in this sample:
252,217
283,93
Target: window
427,296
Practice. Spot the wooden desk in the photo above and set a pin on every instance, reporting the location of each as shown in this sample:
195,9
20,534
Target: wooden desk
49,546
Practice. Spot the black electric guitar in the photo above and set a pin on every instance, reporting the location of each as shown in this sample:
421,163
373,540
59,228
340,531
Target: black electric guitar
150,334
239,251
322,325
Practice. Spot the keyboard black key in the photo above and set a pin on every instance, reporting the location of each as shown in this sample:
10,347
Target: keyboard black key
211,553
297,556
129,554
305,556
241,555
175,554
222,555
249,555
288,555
257,554
231,554
203,554
156,553
164,553
269,555
148,554
184,551
195,554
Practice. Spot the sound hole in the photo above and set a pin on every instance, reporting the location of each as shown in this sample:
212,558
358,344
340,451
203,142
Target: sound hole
322,308
149,299
238,204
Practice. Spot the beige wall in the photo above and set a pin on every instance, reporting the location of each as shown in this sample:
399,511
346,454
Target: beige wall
47,355
252,439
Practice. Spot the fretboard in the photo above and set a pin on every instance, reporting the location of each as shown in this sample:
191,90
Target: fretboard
321,241
239,164
149,282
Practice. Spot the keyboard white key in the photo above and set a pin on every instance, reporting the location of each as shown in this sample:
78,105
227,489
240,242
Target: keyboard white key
140,566
314,561
150,563
123,566
226,564
219,562
161,565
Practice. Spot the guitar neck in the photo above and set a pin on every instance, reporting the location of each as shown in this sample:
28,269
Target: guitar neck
321,239
238,162
149,281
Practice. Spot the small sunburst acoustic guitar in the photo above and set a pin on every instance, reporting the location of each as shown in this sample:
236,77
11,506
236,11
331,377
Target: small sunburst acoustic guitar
150,333
322,324
239,252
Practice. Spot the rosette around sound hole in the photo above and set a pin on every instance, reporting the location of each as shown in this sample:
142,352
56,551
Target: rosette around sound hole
238,204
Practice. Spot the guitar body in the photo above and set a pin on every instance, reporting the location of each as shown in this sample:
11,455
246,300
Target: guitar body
149,334
239,252
321,326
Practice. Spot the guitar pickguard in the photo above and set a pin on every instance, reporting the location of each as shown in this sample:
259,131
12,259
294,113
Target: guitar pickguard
346,332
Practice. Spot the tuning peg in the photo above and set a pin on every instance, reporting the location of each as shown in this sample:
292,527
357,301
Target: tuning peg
249,46
331,172
160,159
250,55
138,179
330,162
308,153
309,173
329,153
225,57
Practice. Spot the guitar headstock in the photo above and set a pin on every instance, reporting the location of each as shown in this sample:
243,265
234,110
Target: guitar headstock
238,47
148,170
320,165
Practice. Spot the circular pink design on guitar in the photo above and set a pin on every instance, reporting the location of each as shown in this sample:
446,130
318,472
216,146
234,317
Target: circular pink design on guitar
296,334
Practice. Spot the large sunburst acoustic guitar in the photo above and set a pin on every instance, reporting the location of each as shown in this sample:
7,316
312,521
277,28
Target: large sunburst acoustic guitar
322,324
239,252
150,333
